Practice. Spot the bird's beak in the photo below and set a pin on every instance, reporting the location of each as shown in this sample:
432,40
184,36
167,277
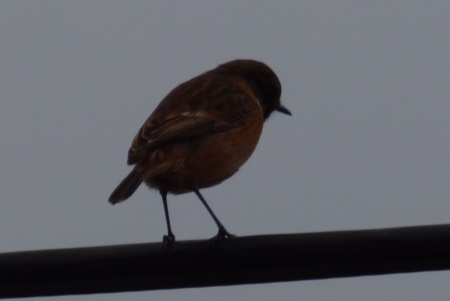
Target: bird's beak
283,109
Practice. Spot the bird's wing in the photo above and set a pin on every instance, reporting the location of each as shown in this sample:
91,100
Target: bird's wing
188,125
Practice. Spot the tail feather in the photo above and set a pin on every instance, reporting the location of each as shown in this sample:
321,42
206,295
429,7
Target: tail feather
127,187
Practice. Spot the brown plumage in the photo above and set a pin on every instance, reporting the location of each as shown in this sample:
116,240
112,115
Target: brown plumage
202,132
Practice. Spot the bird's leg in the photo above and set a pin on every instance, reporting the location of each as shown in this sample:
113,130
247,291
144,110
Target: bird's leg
169,238
223,233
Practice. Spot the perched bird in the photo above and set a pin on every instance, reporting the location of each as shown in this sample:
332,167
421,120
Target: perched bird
202,132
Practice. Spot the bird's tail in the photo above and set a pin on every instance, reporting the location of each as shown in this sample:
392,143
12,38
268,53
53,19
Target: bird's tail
127,187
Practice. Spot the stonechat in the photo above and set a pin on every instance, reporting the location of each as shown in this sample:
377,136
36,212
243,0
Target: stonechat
202,132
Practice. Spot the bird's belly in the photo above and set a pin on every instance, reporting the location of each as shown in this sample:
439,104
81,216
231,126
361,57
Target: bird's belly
205,162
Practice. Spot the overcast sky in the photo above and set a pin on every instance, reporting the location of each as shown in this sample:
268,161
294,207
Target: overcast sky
368,145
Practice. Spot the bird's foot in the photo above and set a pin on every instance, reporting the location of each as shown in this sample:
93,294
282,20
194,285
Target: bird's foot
168,239
223,234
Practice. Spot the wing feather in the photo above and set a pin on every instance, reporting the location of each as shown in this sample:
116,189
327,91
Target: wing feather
221,113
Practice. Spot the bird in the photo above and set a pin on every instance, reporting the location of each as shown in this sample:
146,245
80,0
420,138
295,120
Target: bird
201,133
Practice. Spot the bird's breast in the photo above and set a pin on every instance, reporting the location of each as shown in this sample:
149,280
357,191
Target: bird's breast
205,161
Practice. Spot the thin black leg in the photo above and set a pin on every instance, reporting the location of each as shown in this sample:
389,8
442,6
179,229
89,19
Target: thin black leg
169,237
223,233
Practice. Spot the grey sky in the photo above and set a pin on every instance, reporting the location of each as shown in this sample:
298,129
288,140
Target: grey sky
368,145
